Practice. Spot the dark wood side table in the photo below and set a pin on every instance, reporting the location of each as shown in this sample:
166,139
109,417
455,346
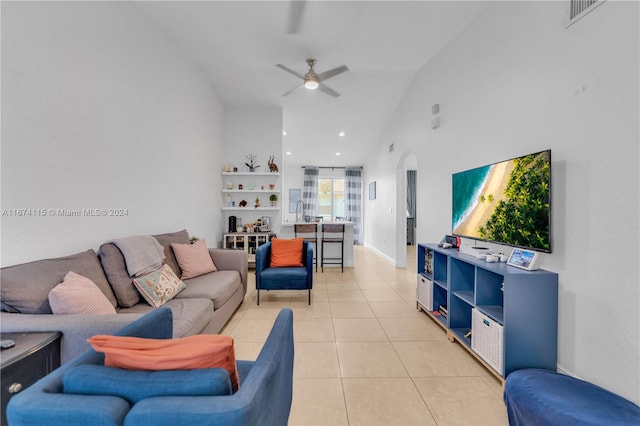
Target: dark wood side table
34,356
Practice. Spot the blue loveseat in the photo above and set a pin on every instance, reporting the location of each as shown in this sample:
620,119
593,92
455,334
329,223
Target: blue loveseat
264,396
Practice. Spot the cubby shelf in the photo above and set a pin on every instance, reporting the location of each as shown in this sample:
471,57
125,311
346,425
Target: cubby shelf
523,305
467,296
495,312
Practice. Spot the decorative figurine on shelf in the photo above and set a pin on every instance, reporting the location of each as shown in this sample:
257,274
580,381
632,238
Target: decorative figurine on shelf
257,202
227,167
243,203
229,185
273,167
252,162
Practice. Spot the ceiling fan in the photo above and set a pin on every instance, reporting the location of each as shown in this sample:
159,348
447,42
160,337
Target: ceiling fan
313,80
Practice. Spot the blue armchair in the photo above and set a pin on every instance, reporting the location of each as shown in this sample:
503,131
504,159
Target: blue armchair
264,396
288,278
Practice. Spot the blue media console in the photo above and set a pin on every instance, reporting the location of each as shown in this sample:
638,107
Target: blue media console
505,316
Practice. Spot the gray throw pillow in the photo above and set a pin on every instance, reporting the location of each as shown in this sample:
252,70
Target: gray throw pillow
115,267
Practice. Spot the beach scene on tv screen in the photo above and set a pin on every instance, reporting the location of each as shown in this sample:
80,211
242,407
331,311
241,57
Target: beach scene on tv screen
506,202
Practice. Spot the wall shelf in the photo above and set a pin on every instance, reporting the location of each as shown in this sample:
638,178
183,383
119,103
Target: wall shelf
250,209
250,174
250,191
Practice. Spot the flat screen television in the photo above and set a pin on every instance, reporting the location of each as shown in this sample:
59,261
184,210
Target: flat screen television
506,202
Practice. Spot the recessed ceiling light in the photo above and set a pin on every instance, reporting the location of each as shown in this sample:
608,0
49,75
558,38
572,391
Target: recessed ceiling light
337,153
288,153
284,133
342,134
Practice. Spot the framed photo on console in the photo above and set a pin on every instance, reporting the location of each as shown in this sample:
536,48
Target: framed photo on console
524,259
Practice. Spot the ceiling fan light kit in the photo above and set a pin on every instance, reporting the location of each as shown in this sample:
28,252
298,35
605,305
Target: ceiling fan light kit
311,83
312,80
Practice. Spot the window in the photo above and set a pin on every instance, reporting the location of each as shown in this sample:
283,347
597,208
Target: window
330,198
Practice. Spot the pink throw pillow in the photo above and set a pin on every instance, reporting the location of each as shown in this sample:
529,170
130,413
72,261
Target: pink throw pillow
194,259
78,295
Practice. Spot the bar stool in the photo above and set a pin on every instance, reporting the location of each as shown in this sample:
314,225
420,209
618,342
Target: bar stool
310,235
332,234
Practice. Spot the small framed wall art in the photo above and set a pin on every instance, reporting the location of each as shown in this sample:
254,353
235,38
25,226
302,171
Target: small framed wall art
372,190
295,195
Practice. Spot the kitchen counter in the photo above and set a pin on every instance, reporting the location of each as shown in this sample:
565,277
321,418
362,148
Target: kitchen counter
333,250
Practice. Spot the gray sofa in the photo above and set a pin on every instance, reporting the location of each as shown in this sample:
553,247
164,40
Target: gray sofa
203,307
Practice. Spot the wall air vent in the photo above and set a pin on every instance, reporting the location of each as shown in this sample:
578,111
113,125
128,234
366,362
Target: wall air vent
579,8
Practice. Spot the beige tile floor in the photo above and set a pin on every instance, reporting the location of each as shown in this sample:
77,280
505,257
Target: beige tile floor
365,356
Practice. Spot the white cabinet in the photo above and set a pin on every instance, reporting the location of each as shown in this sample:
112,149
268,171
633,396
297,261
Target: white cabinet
247,241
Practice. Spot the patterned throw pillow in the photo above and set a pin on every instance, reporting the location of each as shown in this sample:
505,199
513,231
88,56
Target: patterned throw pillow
160,286
78,295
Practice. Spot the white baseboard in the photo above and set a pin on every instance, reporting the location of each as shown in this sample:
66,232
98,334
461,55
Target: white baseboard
391,260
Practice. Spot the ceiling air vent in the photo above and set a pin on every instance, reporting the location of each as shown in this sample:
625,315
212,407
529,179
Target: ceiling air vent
579,8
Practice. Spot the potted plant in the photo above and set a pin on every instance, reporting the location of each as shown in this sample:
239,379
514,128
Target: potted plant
251,164
274,200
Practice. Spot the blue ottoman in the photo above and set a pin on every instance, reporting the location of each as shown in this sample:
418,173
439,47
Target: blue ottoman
542,397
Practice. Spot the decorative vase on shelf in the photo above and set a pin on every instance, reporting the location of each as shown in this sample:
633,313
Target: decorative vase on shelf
251,164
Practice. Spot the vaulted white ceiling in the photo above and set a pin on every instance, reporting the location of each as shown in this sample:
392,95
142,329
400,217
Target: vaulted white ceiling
238,44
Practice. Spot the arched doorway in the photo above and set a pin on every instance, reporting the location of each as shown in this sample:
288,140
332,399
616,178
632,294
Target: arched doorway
407,161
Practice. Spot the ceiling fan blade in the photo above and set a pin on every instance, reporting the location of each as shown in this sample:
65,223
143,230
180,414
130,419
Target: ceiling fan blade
291,91
332,73
328,90
296,12
289,70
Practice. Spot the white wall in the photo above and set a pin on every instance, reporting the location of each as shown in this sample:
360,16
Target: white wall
101,111
253,131
515,82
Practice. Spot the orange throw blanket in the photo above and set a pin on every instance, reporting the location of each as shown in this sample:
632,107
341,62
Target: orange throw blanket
187,353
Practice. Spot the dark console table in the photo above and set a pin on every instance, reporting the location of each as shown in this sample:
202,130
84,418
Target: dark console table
34,356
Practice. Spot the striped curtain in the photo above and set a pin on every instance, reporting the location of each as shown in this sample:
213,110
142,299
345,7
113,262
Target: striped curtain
353,199
310,191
